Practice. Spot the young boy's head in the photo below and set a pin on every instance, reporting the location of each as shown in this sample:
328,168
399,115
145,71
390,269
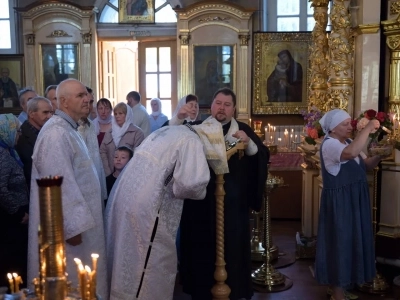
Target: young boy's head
121,157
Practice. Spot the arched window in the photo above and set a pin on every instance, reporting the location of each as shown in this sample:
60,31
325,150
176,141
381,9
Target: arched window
7,27
163,12
291,15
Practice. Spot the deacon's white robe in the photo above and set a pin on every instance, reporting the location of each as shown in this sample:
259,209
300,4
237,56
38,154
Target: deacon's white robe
88,133
143,192
60,150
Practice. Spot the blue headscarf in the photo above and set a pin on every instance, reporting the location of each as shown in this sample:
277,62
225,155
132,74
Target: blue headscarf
8,133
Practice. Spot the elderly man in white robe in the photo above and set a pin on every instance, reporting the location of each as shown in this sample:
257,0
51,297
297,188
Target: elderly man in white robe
60,150
145,206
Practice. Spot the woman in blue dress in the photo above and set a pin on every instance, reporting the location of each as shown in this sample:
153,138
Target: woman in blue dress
157,118
345,243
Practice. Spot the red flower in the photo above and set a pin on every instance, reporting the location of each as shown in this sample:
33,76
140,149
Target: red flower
380,116
354,124
370,114
312,132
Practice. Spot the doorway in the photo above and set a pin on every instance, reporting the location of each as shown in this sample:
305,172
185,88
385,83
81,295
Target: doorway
148,67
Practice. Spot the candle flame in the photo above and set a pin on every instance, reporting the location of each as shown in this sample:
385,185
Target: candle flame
87,268
15,275
81,268
77,261
9,275
95,255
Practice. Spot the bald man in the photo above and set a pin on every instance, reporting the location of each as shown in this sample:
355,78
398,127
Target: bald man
60,150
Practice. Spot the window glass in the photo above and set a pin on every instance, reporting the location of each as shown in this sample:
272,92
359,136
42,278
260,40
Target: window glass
5,36
109,15
288,7
151,60
310,23
151,85
165,85
288,24
4,9
165,59
165,15
114,2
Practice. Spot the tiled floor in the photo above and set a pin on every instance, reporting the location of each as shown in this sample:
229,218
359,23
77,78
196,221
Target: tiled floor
304,286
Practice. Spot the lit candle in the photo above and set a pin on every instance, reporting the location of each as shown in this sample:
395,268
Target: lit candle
78,262
295,138
250,122
269,127
16,282
95,256
11,282
266,131
82,281
89,277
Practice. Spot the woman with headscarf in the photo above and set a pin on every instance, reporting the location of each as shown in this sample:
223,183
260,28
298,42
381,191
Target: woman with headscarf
157,118
14,202
122,133
102,123
191,109
345,243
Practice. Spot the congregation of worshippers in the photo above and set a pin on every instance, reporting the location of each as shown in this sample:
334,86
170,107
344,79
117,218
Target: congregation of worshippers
138,189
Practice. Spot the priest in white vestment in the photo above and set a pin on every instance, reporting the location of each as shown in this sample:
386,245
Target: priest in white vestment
88,133
145,206
60,150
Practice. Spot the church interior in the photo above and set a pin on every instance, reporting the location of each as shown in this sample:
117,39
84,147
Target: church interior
334,54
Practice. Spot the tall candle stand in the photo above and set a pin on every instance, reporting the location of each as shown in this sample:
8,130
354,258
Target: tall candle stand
378,285
267,278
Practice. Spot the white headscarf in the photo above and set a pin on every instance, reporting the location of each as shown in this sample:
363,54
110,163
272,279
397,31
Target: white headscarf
181,103
211,134
98,121
332,119
116,131
158,112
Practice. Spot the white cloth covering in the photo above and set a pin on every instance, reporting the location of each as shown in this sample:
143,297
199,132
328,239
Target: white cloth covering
89,136
142,194
181,103
60,150
118,131
332,119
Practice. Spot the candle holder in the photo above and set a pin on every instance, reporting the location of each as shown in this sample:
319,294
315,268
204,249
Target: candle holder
257,127
52,282
267,278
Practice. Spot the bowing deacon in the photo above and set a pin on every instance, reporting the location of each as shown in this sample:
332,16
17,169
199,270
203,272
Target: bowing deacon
60,150
144,209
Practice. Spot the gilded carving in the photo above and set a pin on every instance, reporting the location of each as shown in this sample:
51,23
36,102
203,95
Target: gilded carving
395,7
87,38
339,98
244,39
340,66
214,19
30,39
184,39
393,42
318,62
58,33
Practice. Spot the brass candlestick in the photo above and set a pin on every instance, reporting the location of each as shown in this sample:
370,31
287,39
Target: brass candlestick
267,278
257,249
53,280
